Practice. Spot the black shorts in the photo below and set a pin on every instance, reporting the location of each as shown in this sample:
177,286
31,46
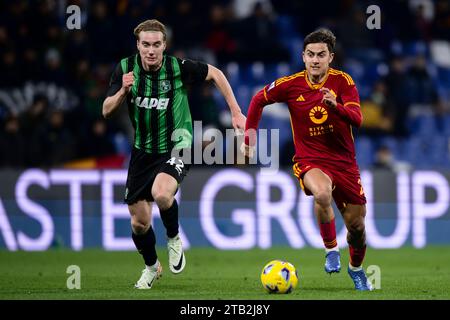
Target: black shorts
143,169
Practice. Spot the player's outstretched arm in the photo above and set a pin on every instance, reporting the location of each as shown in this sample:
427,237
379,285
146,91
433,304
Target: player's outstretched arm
253,117
216,75
113,102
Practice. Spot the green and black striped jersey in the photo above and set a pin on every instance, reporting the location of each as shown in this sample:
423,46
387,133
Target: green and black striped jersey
157,103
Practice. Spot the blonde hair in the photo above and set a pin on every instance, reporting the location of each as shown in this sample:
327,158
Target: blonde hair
150,25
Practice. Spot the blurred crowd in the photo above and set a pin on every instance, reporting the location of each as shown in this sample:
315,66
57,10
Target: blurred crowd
54,79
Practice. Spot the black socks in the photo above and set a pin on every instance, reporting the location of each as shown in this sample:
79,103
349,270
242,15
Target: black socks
145,244
169,218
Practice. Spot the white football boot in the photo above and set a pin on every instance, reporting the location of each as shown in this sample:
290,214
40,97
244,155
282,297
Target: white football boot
177,261
148,277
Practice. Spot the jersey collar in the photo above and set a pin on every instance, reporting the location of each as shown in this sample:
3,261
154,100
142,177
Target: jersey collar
316,86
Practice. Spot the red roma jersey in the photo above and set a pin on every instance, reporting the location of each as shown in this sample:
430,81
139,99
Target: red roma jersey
321,134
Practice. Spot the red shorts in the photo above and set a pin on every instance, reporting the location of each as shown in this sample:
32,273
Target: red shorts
347,186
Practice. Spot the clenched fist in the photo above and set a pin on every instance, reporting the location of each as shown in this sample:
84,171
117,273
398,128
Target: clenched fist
328,97
127,81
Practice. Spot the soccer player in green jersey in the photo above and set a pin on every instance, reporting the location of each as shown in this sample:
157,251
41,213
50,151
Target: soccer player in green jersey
153,86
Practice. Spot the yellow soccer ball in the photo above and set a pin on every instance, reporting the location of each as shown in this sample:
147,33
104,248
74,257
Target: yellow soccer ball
279,277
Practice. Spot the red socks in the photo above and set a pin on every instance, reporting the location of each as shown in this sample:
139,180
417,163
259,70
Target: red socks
328,233
356,255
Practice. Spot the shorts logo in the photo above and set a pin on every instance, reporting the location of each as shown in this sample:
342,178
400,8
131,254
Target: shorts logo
318,115
126,193
164,86
178,166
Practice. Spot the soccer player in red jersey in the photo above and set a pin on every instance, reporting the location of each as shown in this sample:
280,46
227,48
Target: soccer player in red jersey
324,106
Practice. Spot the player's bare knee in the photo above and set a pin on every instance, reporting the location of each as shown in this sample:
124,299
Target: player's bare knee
323,198
163,200
356,229
139,227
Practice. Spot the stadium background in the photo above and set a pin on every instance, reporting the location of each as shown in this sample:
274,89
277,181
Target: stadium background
63,167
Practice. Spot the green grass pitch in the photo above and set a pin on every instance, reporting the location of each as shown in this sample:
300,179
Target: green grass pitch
212,274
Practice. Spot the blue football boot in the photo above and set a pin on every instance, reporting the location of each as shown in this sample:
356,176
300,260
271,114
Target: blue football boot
360,280
332,262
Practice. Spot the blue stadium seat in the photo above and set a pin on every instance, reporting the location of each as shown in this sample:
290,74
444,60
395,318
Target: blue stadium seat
438,151
295,47
258,72
219,100
232,70
424,126
444,75
409,48
446,125
283,69
121,144
443,91
364,151
252,73
394,145
364,90
285,25
416,152
415,48
356,70
243,96
443,83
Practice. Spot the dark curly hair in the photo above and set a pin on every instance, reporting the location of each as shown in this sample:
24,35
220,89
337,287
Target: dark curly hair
321,35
